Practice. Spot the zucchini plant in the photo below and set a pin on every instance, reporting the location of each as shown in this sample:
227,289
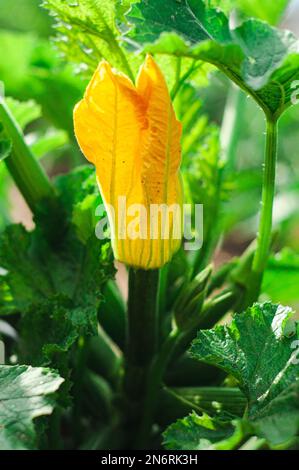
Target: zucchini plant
123,327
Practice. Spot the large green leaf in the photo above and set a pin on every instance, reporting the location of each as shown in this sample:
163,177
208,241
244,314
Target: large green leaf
25,394
57,289
74,268
87,32
259,350
56,324
262,60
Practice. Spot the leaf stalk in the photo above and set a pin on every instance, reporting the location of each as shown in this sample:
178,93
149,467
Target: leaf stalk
27,173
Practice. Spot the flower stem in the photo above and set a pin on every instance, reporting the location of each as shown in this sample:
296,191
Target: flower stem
142,341
22,165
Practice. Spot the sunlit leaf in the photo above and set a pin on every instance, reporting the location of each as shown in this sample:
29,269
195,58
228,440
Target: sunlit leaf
262,60
25,394
259,350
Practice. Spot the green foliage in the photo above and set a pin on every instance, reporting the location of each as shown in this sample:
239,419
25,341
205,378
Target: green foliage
25,394
87,32
260,59
56,324
203,433
257,350
57,289
259,344
60,305
201,165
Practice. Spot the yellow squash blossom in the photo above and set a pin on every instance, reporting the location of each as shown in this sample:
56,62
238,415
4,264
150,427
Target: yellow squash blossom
131,134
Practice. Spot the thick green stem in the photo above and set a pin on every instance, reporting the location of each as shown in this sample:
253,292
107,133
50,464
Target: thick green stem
154,382
142,316
25,170
142,341
265,226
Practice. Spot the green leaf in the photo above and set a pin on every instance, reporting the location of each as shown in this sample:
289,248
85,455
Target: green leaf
262,60
258,351
54,329
87,32
203,433
24,276
35,273
281,278
75,269
57,289
75,186
25,394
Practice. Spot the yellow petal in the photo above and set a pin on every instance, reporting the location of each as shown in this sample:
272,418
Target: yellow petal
132,137
108,123
161,156
107,126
